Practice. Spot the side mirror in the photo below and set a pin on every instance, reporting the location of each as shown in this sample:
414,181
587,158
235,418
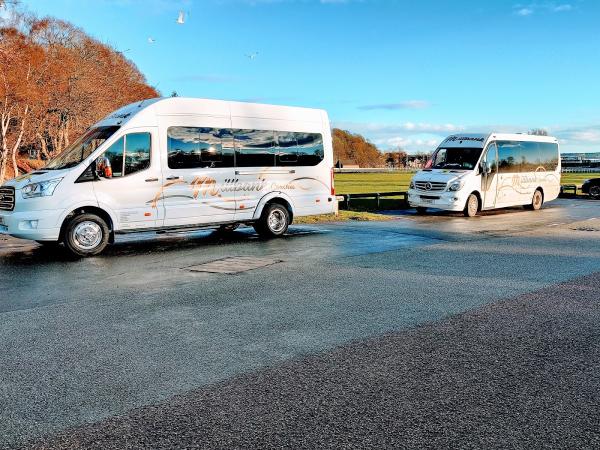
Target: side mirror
103,167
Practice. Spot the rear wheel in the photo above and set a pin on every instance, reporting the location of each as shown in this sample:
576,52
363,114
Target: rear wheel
472,206
274,221
595,192
86,235
421,210
537,201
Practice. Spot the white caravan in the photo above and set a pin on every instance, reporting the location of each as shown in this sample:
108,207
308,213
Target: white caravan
474,172
177,163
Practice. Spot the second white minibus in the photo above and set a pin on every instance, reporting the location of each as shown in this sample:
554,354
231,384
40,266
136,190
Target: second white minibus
475,172
177,163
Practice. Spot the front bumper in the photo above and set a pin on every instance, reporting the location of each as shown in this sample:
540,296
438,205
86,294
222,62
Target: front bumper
35,225
449,201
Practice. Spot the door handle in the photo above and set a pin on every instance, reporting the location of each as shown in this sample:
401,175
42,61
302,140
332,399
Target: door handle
172,178
149,180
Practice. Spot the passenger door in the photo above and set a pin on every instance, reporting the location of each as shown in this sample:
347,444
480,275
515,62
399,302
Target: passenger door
129,177
489,177
199,175
254,169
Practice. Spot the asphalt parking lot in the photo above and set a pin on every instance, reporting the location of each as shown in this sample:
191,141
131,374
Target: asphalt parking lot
421,331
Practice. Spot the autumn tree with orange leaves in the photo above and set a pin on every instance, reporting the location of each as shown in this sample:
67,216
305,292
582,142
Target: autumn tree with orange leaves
56,81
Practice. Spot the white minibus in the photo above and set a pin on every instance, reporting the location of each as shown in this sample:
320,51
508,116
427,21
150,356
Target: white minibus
177,163
475,172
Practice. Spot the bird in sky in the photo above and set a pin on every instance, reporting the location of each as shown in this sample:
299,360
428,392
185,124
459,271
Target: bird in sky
181,18
252,56
151,40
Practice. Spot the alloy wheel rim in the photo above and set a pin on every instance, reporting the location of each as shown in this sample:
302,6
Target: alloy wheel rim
87,235
276,220
595,191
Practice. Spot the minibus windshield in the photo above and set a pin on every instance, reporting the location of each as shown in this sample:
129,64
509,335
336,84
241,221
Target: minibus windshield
81,148
458,158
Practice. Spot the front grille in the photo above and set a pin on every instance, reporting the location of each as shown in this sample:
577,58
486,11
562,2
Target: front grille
7,198
430,186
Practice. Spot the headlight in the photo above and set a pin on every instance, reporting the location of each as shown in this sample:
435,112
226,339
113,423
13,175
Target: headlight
41,189
411,185
456,186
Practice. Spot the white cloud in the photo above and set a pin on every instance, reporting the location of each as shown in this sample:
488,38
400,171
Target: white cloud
562,8
407,104
532,8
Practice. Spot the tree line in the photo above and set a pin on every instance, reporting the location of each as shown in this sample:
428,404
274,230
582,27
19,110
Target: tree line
56,81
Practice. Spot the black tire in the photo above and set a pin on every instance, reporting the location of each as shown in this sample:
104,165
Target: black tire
86,235
421,209
472,206
536,201
274,221
595,191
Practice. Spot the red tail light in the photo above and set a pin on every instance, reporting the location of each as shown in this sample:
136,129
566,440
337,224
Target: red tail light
332,186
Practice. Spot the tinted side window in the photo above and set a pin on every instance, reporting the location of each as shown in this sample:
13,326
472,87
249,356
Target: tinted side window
114,158
549,155
310,149
197,147
254,148
509,157
286,148
527,156
137,152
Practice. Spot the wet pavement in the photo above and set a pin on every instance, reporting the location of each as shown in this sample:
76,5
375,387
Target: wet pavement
87,340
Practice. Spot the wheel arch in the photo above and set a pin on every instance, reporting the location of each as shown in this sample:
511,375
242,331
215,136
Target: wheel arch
274,197
89,209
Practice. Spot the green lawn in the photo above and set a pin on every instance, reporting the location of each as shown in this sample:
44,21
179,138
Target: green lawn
356,183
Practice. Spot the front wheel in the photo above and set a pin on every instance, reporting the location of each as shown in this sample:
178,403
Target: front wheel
595,192
472,206
274,221
86,235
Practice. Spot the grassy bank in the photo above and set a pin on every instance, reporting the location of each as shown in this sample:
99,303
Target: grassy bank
343,215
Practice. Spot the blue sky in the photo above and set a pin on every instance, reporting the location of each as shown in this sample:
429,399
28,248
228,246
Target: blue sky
402,73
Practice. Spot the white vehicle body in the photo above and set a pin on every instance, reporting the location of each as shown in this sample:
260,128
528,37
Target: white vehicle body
501,170
179,169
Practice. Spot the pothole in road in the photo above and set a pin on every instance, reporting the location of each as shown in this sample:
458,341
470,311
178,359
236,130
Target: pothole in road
234,264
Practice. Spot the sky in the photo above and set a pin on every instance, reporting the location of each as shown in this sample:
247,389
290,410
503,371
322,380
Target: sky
402,73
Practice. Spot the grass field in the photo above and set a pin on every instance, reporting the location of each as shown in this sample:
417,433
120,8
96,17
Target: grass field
355,183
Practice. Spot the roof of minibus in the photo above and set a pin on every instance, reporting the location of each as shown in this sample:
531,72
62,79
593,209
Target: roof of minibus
478,140
145,113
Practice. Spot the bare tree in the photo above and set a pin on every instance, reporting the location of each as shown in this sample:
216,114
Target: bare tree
56,81
538,132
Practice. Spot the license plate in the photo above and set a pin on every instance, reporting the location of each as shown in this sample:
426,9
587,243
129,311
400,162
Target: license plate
426,200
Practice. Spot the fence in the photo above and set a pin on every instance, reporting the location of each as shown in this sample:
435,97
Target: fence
581,170
377,197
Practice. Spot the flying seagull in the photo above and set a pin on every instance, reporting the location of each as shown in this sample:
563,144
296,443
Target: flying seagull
151,40
181,18
252,56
